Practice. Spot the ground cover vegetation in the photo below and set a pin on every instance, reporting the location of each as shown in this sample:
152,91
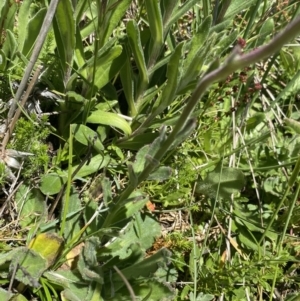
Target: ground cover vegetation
150,150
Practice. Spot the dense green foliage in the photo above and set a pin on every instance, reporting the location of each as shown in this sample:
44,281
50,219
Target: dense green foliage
155,152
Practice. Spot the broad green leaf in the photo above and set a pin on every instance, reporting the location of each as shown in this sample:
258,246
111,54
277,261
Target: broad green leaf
32,30
106,68
137,49
221,182
86,136
48,246
31,206
110,119
134,232
4,294
18,297
52,183
95,164
31,266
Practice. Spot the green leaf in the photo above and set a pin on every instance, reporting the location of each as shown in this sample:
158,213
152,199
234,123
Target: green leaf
236,6
72,224
127,79
177,14
111,119
52,183
95,164
31,206
115,12
266,30
161,174
293,124
33,27
155,22
173,76
23,19
87,136
48,246
30,266
143,268
147,290
10,45
193,63
137,49
292,87
221,182
106,67
64,30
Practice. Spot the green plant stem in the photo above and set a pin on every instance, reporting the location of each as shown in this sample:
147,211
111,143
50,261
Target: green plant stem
68,189
235,61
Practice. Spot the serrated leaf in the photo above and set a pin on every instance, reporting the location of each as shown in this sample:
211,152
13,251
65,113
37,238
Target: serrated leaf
31,206
221,182
111,119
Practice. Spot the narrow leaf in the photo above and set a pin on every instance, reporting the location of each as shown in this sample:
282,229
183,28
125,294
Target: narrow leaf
137,49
